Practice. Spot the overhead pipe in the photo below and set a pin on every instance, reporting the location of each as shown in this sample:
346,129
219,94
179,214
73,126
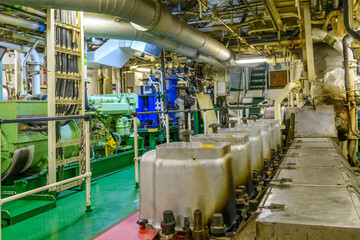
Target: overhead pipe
106,26
14,21
145,15
14,46
30,10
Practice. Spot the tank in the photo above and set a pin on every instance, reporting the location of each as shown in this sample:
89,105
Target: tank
275,131
256,146
240,151
267,139
185,176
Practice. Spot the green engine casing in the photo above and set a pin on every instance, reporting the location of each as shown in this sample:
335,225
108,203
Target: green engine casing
14,138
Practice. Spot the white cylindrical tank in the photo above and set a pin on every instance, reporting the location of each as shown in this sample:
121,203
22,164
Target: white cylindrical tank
256,146
240,151
185,176
265,136
277,131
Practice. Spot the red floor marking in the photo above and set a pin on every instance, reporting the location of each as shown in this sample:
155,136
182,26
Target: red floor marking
128,230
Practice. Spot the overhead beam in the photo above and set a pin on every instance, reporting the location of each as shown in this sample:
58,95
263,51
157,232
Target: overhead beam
274,14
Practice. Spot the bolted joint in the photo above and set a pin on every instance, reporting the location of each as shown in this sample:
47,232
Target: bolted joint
253,205
217,227
186,133
215,127
168,223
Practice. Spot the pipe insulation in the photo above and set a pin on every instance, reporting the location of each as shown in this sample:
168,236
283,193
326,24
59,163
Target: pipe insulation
327,38
106,26
14,21
145,15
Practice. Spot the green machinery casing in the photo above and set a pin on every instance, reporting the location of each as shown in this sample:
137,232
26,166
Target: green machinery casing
111,111
23,150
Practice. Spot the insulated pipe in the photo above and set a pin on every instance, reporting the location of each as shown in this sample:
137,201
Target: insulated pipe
23,71
14,46
316,32
106,26
146,15
35,67
284,93
296,69
30,10
14,21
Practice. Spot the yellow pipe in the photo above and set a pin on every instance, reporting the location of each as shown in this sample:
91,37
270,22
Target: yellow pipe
329,17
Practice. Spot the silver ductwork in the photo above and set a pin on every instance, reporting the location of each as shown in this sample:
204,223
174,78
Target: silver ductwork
146,15
106,26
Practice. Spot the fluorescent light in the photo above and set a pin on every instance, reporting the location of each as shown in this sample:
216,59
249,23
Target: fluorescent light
250,60
143,70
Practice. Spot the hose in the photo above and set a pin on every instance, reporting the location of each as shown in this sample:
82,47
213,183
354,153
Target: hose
346,64
346,21
87,105
119,141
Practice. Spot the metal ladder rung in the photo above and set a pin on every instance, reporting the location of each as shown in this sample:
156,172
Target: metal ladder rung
69,185
68,143
69,160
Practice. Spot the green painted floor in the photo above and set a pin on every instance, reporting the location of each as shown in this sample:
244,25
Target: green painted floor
113,198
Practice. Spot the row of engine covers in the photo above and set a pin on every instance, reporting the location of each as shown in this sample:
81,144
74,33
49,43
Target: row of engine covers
205,173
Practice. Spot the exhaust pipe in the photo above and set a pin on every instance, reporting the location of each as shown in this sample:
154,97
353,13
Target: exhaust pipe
145,15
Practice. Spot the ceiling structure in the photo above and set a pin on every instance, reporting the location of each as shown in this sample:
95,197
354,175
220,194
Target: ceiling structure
266,27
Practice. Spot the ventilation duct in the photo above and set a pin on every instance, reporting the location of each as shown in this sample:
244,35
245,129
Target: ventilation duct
116,53
146,15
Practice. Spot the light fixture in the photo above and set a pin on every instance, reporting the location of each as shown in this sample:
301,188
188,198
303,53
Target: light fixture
143,69
250,60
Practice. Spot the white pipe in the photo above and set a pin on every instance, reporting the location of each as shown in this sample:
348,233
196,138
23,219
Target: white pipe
14,21
23,64
205,122
35,66
327,38
136,155
167,128
40,189
14,46
284,93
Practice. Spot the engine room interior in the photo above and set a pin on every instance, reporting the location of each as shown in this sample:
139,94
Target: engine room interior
180,119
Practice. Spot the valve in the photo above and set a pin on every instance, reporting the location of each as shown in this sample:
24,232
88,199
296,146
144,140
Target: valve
232,123
186,133
214,127
142,223
244,120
